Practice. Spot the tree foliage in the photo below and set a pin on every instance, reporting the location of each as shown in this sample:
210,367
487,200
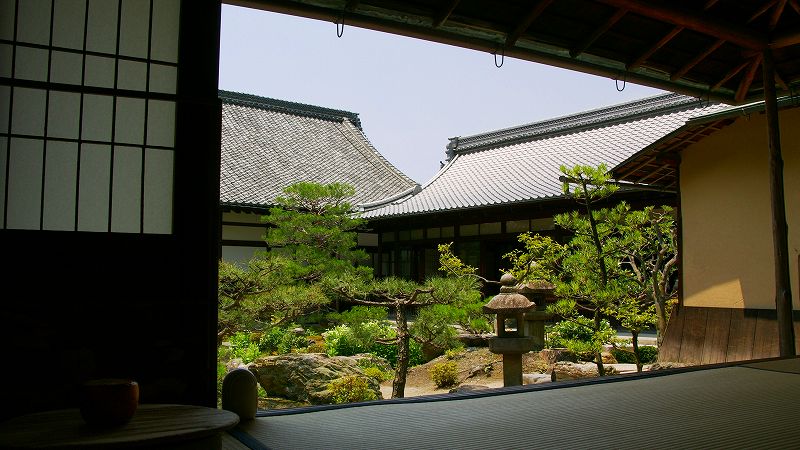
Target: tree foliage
617,264
312,237
402,296
313,227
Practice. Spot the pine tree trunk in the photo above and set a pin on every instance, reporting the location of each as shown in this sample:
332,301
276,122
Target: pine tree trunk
599,354
400,372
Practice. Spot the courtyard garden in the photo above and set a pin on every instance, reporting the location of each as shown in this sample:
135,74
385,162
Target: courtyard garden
315,327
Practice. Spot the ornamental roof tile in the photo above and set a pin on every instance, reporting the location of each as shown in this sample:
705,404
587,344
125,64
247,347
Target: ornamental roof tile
269,144
521,164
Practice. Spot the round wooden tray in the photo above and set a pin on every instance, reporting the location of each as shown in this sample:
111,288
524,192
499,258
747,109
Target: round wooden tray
153,424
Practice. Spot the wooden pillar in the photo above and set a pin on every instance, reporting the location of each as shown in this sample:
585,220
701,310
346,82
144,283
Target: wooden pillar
783,294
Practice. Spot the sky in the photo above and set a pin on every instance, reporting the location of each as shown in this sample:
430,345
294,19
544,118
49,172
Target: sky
411,95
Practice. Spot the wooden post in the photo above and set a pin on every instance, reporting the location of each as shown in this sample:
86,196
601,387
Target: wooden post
783,293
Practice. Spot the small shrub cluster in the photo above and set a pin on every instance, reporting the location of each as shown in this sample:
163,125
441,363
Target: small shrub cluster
444,374
244,346
576,334
351,389
279,341
648,354
348,340
377,374
454,353
372,369
389,353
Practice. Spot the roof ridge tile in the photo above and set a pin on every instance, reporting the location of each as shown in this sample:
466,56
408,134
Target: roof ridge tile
302,109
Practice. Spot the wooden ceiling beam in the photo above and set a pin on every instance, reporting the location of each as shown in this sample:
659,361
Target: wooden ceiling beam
669,174
637,167
586,43
526,22
664,40
795,6
747,80
742,36
646,55
696,60
776,14
760,11
786,39
731,73
444,14
779,80
653,173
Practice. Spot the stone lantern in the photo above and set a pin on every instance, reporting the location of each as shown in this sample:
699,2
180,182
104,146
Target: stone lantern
539,292
511,340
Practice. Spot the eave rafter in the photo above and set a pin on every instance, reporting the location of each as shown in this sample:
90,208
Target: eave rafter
739,35
700,43
589,40
444,14
526,22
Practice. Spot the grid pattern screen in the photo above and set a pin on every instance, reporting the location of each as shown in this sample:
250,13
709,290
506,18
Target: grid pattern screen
87,114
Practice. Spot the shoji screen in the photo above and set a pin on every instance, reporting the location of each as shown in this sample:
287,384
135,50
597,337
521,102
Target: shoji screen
87,114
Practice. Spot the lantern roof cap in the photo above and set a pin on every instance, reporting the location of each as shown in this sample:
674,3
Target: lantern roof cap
508,301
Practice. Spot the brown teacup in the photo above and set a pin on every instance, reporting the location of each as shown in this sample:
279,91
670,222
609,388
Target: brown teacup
108,402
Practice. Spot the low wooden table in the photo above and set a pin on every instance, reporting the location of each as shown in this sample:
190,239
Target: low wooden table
153,426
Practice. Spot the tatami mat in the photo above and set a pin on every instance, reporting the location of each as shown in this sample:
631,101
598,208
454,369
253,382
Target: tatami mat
728,407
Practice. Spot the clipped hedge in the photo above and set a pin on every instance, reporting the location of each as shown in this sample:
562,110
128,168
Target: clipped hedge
351,389
648,354
444,374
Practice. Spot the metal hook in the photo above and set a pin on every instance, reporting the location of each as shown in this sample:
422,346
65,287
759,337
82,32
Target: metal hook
502,57
624,83
340,22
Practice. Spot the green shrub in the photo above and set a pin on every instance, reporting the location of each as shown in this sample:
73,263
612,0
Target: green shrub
454,353
280,340
347,340
576,334
351,389
648,354
389,353
341,341
244,347
377,373
444,374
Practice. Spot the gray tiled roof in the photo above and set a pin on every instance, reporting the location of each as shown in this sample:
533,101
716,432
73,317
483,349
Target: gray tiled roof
269,144
521,164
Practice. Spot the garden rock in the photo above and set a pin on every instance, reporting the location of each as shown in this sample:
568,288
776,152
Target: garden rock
668,365
474,340
468,388
554,355
536,378
305,376
564,370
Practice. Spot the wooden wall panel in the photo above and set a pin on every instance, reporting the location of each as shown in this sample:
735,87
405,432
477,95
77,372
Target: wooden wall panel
796,318
765,338
694,334
740,340
718,325
716,335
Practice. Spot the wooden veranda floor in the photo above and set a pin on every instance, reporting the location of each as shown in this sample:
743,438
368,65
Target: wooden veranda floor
750,405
